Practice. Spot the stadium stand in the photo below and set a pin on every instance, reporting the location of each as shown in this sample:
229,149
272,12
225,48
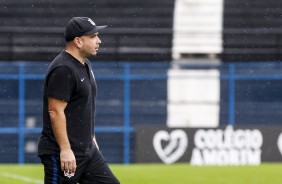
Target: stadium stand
252,30
32,30
138,30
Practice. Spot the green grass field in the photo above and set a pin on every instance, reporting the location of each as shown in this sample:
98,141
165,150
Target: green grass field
161,174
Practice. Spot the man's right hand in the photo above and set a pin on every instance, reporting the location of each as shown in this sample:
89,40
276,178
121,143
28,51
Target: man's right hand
68,162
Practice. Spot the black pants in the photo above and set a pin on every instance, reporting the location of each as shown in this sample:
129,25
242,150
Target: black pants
92,169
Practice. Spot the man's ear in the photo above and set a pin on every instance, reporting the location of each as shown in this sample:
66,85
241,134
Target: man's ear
77,42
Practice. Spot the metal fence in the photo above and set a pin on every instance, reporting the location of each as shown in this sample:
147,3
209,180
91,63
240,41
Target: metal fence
119,104
129,94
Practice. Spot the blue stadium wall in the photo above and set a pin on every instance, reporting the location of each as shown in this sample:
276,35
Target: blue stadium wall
129,94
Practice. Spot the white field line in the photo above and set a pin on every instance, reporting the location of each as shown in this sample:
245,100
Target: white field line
21,178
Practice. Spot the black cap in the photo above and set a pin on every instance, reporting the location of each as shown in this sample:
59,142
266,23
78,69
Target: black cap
79,26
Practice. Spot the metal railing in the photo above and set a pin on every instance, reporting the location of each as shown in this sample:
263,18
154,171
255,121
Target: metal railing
232,73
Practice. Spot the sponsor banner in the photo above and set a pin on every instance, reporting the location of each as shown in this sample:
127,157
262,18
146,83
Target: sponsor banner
239,145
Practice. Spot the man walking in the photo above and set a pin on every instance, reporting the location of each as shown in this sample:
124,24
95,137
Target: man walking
67,146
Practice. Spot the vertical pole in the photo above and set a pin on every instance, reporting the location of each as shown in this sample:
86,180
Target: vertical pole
21,116
126,138
231,94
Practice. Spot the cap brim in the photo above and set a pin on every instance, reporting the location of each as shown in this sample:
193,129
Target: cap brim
96,29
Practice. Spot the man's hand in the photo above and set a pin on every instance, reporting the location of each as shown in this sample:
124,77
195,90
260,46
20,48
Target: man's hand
68,162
